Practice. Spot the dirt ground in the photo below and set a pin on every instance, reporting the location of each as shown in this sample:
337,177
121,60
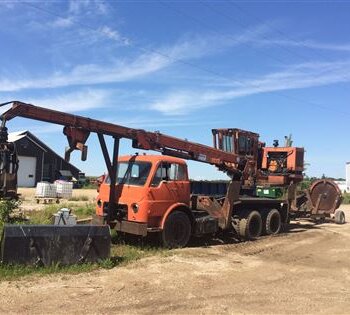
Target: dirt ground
305,271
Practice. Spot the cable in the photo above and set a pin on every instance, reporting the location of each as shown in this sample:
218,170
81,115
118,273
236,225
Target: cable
139,47
279,45
283,34
142,48
218,32
243,26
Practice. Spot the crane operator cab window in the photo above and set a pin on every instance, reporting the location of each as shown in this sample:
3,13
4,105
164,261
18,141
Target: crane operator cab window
227,143
169,172
245,145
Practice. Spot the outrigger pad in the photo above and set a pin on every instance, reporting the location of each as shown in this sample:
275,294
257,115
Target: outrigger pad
54,244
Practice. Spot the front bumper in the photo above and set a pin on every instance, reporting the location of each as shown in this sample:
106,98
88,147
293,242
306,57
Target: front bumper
130,227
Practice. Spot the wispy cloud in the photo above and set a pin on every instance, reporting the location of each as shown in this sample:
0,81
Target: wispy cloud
7,5
63,22
81,19
87,7
44,129
75,101
114,35
149,61
157,122
306,44
299,76
89,74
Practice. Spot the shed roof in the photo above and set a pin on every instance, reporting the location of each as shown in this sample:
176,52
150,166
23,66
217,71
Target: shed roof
15,136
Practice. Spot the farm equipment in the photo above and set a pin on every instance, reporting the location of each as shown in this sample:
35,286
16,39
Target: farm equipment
145,194
8,166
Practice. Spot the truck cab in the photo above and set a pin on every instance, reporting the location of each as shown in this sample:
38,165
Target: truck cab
148,189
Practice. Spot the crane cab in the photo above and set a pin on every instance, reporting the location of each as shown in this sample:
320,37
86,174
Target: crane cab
236,141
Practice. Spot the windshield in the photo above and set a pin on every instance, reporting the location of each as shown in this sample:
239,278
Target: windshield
132,173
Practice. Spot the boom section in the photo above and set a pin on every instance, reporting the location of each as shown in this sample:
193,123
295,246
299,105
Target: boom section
77,129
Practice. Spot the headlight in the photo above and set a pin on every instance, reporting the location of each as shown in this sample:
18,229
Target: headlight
135,207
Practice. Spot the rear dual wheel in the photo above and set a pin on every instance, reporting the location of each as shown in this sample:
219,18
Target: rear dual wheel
250,227
273,222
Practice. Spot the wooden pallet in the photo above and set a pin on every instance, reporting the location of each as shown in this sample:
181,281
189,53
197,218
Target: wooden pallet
47,200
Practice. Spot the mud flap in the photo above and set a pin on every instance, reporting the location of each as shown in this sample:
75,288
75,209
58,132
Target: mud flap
54,244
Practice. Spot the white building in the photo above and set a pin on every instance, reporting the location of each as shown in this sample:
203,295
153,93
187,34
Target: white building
347,174
342,185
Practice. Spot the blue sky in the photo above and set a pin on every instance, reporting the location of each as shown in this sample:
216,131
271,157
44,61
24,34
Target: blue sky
185,67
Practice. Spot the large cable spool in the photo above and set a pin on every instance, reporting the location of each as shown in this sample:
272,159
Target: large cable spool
325,197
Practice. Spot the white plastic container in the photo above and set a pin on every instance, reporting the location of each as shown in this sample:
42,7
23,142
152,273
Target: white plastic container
45,190
64,217
64,189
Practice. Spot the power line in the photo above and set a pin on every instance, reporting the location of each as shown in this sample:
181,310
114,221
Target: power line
283,34
244,26
144,49
139,47
220,33
200,22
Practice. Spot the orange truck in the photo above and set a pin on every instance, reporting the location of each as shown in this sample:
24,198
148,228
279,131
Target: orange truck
145,194
154,195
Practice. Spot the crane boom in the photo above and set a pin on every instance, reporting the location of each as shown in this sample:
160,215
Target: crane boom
77,129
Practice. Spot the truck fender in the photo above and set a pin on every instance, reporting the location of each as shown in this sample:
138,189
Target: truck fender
180,207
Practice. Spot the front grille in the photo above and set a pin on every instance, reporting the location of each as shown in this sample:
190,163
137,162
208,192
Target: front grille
120,213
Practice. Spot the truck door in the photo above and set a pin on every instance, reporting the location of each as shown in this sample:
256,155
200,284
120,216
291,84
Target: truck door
179,182
168,187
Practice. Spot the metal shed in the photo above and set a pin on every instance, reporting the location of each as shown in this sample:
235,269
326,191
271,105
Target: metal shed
37,162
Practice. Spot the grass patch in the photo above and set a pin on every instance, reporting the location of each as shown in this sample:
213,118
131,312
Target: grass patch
121,255
132,248
44,216
85,210
346,198
79,198
13,272
123,250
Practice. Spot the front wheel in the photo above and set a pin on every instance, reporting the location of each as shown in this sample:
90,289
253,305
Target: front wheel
177,230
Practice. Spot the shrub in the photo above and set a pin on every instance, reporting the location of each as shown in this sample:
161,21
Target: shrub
6,209
346,198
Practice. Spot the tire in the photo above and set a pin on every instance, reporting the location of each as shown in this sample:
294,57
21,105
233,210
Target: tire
339,217
250,228
273,222
177,230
